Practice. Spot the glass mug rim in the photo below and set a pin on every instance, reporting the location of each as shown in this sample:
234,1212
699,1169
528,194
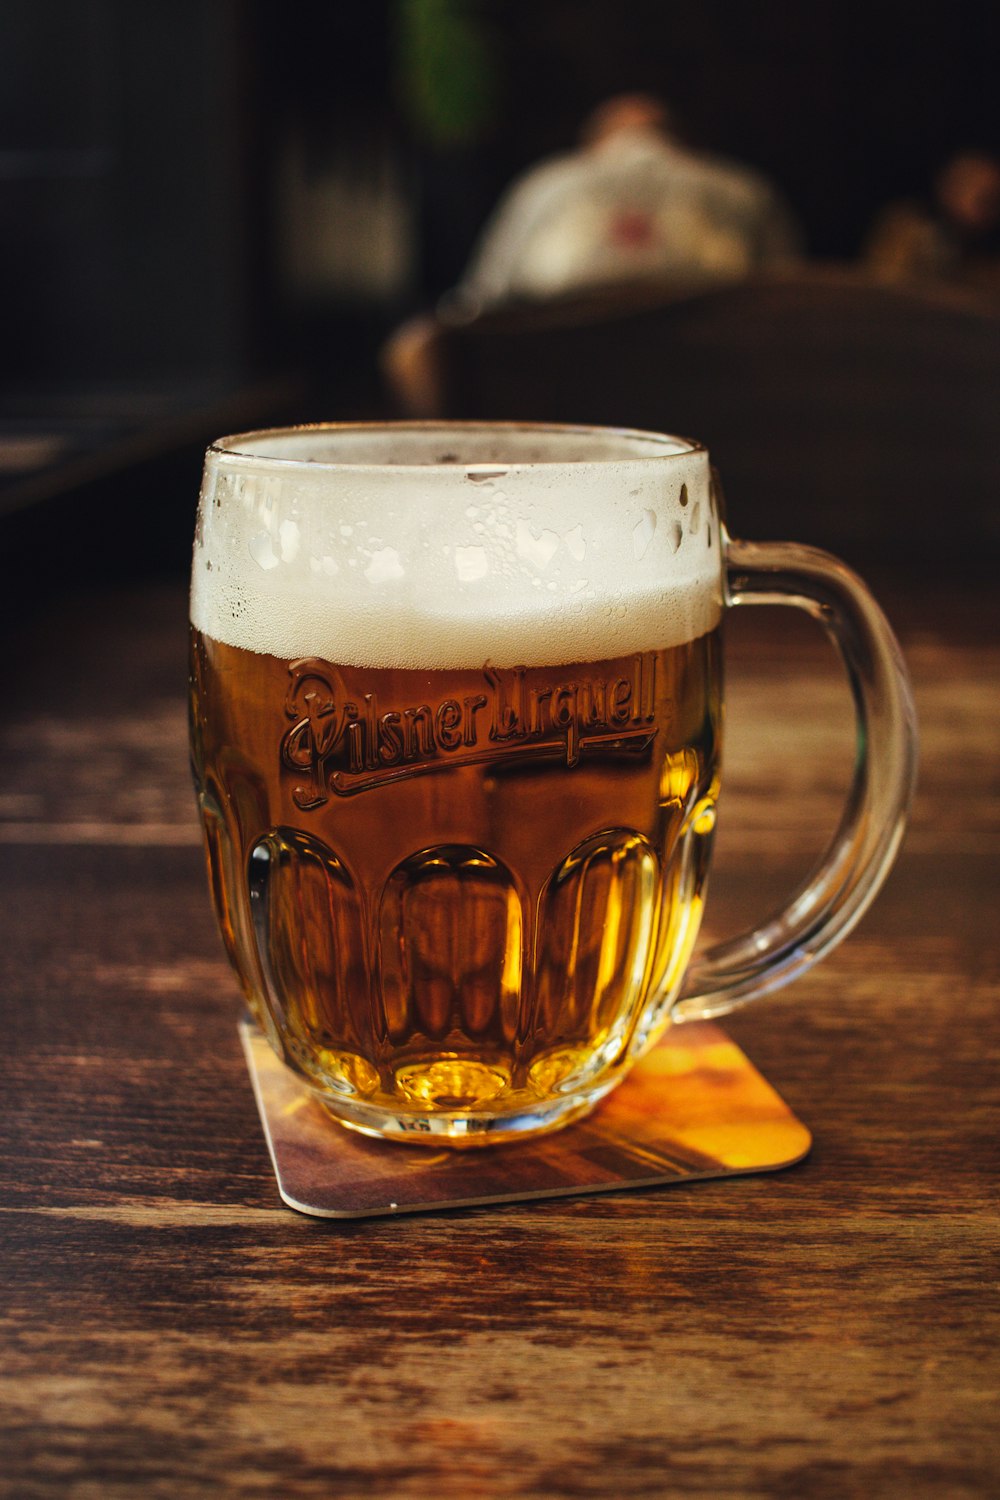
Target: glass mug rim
638,446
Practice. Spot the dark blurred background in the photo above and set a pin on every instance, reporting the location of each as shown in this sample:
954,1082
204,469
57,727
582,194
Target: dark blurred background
212,213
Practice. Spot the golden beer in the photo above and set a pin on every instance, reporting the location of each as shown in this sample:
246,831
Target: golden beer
456,890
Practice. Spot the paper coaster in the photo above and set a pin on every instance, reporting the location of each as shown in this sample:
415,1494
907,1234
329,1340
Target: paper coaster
695,1107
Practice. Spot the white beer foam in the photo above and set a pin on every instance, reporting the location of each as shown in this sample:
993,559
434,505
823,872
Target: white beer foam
435,563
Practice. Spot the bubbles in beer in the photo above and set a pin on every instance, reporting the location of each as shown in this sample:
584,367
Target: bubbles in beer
537,549
262,551
385,564
471,563
642,533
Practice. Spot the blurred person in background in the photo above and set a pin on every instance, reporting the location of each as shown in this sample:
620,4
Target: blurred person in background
955,236
630,203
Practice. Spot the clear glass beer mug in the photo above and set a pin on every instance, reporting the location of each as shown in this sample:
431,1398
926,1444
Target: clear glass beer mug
456,709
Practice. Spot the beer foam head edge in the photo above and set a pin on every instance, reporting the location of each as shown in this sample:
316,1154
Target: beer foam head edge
452,545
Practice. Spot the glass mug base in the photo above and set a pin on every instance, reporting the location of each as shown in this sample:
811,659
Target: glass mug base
466,1098
465,1127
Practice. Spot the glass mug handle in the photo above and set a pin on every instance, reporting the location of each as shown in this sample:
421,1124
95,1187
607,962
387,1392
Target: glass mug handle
825,908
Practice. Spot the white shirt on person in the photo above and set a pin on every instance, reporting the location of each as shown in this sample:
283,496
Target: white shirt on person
633,206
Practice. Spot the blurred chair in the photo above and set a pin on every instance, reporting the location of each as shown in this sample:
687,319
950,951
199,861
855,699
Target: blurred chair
840,412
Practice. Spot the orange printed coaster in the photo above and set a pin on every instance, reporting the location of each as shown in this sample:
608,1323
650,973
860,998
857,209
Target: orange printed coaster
695,1107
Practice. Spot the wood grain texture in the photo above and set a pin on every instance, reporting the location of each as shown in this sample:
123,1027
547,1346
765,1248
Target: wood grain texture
171,1330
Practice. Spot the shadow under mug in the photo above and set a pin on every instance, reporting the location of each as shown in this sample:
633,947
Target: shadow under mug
456,710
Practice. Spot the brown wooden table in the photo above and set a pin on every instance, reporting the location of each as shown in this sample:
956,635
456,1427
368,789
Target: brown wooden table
170,1329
